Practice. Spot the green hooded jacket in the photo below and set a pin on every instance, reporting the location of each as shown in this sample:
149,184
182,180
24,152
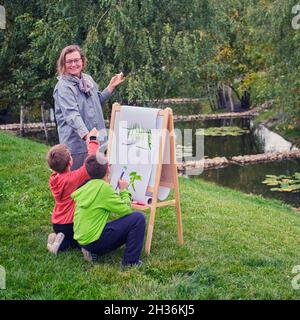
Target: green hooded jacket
94,202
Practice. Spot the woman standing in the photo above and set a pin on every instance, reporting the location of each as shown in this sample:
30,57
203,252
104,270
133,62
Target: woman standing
78,103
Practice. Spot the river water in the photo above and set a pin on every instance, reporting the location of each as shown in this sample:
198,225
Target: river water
254,140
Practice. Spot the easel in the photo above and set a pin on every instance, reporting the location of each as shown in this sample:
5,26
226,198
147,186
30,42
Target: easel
166,174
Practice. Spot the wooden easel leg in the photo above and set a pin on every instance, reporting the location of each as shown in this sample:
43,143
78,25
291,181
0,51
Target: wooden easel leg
150,229
178,216
156,184
175,178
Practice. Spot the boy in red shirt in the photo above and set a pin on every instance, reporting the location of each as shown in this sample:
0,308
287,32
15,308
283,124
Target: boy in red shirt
63,182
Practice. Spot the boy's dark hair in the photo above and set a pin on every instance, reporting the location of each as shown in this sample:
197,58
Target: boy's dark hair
96,165
58,158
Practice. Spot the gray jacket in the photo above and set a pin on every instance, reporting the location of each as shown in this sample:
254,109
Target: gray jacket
77,113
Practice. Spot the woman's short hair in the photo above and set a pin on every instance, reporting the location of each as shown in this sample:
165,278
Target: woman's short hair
60,65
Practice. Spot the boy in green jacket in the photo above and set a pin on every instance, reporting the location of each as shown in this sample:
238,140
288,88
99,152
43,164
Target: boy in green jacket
94,202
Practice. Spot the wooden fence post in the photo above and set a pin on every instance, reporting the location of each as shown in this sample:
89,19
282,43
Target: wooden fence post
22,121
44,120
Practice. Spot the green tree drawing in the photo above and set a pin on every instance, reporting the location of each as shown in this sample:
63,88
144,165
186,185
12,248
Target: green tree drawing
134,177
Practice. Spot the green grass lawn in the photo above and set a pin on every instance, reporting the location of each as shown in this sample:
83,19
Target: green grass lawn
237,246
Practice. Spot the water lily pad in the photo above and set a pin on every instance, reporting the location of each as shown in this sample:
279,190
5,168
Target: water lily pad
275,189
272,183
223,131
295,186
297,175
285,189
284,183
282,176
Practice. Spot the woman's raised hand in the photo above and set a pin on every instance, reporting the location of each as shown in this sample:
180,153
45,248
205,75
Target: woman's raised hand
115,81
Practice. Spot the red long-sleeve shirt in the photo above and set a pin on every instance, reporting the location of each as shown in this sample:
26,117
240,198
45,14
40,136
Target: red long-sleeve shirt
62,185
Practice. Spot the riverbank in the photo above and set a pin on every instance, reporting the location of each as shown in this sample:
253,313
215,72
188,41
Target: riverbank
280,122
237,246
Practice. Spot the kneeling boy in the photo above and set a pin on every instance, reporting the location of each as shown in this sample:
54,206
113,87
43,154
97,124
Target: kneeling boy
94,202
63,182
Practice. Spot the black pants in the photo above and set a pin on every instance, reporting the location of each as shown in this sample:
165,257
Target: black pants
67,230
128,230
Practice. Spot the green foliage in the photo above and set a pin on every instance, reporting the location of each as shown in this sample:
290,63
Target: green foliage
165,48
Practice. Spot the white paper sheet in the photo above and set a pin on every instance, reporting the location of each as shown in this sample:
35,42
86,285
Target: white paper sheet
134,148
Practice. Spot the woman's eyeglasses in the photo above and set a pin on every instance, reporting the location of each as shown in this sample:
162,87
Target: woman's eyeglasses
70,62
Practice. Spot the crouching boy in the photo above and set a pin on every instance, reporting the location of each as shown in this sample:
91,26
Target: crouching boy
63,182
94,202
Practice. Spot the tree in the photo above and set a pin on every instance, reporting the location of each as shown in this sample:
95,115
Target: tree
165,48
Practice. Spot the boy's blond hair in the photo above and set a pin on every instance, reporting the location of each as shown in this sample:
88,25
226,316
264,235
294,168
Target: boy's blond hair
58,158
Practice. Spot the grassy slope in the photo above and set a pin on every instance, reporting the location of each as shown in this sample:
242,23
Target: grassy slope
237,246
